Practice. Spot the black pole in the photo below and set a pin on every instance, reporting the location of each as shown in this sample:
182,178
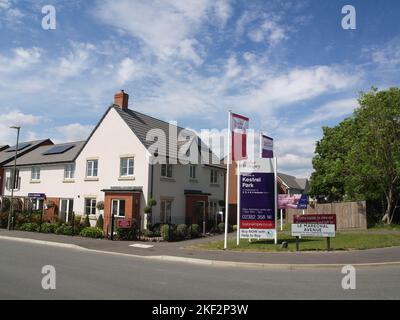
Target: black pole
41,218
112,227
328,243
297,243
73,223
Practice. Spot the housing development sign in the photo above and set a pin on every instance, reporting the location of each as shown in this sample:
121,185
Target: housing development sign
314,225
257,199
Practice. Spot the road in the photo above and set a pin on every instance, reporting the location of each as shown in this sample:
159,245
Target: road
89,275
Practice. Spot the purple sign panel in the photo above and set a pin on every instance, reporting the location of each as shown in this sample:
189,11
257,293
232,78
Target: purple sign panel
257,201
267,147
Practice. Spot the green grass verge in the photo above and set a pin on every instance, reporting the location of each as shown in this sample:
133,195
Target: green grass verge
342,241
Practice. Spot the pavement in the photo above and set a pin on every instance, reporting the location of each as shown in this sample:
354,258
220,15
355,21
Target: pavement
184,252
83,274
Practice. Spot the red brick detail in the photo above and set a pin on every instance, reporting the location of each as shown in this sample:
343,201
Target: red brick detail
121,99
132,207
190,208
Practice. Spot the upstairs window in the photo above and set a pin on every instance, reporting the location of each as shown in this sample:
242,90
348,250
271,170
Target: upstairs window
10,184
214,176
166,170
92,168
69,171
35,173
126,167
192,172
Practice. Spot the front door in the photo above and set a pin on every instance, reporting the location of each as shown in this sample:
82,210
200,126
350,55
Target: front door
200,214
66,208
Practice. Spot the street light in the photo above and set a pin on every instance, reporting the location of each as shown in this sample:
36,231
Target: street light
13,178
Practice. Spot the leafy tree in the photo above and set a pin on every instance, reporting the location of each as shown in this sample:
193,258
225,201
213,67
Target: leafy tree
360,157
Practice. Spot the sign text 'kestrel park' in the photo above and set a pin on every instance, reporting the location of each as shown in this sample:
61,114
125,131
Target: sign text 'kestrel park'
257,199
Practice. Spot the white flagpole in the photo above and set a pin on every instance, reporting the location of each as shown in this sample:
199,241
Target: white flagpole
276,198
228,157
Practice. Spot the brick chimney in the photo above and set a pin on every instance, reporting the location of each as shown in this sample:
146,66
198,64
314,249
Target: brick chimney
121,99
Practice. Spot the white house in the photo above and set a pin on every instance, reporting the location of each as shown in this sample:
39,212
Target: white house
116,165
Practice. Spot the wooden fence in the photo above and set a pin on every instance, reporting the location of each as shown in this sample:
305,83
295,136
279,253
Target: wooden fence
349,215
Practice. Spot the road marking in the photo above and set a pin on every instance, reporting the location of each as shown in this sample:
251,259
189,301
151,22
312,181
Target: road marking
143,246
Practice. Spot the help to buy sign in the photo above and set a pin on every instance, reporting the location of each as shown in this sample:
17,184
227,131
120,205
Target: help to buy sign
257,200
314,225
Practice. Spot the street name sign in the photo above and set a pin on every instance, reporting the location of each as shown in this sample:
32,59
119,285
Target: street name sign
314,225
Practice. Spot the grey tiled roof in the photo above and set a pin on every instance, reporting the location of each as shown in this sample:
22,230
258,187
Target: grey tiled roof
293,182
36,156
4,147
141,124
6,156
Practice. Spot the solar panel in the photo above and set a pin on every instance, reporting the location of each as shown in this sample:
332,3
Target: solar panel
59,149
20,146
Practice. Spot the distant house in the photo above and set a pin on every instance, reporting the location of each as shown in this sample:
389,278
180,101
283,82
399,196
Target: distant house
288,184
7,155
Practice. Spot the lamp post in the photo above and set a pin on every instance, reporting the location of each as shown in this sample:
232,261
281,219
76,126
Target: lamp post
13,180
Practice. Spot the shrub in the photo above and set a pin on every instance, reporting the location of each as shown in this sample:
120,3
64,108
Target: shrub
148,233
166,233
64,229
221,227
86,222
47,228
29,226
100,205
128,234
194,231
181,231
91,232
100,222
3,219
234,227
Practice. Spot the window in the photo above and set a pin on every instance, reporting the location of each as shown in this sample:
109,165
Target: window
118,207
69,171
126,167
9,182
192,172
166,206
214,176
37,204
213,207
90,206
166,170
91,168
35,173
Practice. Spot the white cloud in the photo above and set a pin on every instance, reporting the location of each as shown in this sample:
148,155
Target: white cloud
127,70
20,59
270,32
166,27
330,111
5,4
76,61
72,132
18,118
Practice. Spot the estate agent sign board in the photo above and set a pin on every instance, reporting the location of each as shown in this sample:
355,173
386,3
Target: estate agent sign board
257,201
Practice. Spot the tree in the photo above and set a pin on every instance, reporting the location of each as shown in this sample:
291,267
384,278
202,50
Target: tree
360,157
375,159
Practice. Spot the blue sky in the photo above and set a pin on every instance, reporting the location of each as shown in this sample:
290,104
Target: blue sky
288,65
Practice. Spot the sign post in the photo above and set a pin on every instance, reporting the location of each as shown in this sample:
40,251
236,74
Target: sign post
257,202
